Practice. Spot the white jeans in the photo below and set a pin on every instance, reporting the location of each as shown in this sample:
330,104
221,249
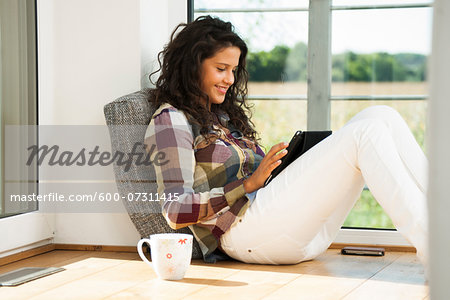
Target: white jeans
297,216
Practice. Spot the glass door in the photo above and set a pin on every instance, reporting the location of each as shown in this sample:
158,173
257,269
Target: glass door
21,223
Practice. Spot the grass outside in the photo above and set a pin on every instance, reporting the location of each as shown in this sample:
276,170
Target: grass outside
277,120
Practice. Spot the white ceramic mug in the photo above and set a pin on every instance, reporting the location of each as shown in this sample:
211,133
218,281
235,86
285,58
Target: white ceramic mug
170,253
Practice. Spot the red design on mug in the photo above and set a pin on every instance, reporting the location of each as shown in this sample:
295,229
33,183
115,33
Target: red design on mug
169,256
182,241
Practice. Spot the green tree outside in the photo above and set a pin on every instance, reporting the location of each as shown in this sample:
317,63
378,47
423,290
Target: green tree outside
290,64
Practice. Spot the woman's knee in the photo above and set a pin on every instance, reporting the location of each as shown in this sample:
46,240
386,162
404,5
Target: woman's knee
369,128
382,112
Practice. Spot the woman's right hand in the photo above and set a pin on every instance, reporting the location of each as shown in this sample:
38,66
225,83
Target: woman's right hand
265,168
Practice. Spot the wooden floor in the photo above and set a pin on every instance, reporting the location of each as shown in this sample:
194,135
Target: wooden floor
115,275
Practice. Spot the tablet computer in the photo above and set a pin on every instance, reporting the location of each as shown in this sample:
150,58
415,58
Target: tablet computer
301,142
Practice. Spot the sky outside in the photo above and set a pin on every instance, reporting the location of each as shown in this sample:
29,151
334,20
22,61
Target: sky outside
361,31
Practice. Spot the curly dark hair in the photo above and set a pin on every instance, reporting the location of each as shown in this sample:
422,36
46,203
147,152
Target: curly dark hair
179,81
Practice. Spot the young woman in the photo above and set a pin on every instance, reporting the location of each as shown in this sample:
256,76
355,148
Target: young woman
214,173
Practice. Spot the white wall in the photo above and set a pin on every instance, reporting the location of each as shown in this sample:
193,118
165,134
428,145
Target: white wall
90,54
158,20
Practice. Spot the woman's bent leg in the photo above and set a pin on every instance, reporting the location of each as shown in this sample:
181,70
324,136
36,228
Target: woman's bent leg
408,149
299,213
413,158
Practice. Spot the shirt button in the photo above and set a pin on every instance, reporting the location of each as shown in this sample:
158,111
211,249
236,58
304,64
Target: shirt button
240,220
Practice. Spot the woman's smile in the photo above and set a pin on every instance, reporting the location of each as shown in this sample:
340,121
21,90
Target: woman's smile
222,89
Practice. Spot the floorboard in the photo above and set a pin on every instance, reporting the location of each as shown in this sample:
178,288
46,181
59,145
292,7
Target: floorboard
403,279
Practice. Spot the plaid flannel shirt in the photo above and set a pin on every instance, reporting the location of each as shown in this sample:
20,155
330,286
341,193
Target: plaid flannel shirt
202,183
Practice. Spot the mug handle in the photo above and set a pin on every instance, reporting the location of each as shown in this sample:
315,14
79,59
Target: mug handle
141,253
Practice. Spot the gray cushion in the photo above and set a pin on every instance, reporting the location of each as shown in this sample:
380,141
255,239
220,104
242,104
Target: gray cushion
133,112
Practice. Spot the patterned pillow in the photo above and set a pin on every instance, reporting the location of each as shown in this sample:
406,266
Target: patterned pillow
132,112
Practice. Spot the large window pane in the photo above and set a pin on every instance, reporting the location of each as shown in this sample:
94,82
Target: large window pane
383,56
393,51
17,91
276,40
277,62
